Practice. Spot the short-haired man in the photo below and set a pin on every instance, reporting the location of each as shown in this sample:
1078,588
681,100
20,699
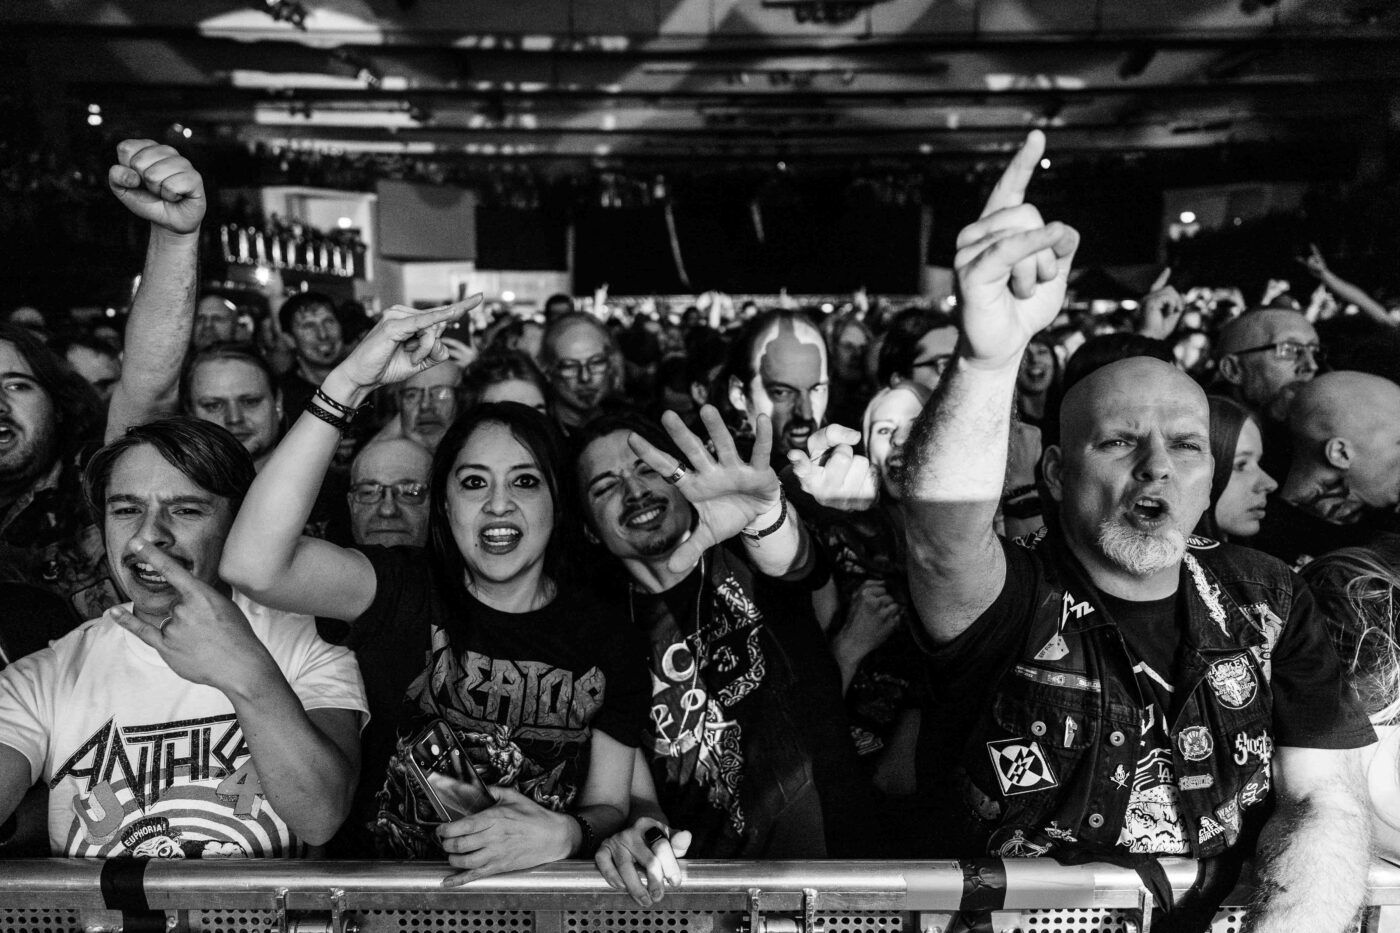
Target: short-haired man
1264,357
582,362
1344,482
215,321
314,324
1114,688
185,724
233,387
778,368
748,745
557,305
389,494
919,345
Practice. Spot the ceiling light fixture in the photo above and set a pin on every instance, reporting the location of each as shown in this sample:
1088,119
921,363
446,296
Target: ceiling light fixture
292,12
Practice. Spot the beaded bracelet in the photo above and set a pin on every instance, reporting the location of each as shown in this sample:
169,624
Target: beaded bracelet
589,842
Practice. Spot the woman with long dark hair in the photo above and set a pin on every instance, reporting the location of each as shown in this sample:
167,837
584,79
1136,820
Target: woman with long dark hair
538,682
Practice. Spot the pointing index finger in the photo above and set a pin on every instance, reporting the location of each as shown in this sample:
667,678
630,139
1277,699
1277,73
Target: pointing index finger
1010,189
174,572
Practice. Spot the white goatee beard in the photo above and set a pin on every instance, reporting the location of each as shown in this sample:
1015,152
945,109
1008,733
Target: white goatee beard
1141,554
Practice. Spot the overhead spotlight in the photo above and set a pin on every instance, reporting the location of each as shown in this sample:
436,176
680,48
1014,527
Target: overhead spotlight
1136,62
94,108
94,119
1044,163
292,12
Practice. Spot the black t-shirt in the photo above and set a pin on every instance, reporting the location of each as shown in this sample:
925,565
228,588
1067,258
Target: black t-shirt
1312,704
523,690
1296,537
750,747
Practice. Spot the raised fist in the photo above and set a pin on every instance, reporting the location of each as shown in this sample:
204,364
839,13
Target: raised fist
158,184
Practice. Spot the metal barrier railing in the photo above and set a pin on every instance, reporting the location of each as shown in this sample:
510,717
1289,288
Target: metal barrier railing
59,895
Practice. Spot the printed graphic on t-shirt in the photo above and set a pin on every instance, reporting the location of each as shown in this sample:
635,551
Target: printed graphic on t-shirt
183,789
1153,822
696,681
524,724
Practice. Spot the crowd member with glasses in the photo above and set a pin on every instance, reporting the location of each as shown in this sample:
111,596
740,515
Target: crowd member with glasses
1265,356
389,494
540,683
428,404
580,357
919,345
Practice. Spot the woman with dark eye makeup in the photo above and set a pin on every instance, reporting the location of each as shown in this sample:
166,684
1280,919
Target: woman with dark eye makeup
535,679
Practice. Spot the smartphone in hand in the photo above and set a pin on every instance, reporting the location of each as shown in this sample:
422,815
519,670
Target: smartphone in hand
438,764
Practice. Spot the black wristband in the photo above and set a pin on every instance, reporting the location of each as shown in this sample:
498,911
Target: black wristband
589,841
340,424
333,405
782,517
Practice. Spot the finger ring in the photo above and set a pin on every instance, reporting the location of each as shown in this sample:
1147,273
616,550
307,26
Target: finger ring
654,835
163,623
676,475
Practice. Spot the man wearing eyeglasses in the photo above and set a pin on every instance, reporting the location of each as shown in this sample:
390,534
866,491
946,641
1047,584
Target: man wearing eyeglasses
580,358
389,494
428,404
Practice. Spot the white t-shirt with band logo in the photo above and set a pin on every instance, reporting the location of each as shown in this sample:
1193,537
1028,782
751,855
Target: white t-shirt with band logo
140,761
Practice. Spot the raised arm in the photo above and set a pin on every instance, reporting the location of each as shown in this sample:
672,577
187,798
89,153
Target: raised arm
266,556
1012,271
729,495
1345,291
159,185
1315,849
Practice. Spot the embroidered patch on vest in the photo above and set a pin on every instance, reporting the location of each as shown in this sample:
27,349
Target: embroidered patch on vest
1255,789
1018,846
1055,649
1209,593
1247,747
1196,781
1209,829
1195,743
1201,543
1021,766
1233,681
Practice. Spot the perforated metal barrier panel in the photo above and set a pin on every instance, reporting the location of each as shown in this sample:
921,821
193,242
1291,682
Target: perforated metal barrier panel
57,896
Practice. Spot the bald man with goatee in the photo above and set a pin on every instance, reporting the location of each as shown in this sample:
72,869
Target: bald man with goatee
1115,688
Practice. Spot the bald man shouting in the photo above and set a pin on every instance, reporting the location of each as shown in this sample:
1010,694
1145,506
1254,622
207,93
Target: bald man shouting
1115,688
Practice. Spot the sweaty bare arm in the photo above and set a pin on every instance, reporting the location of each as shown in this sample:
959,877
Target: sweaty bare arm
157,184
1012,270
1316,847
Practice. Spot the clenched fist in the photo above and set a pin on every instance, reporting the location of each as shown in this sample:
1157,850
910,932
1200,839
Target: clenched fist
158,184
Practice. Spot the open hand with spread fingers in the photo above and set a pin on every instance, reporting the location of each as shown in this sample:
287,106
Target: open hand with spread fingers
728,493
205,638
158,184
1012,267
403,343
832,473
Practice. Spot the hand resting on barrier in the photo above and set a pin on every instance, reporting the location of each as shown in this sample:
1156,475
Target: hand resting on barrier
622,854
516,833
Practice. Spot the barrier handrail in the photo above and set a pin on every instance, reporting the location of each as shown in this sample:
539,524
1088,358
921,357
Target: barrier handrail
708,885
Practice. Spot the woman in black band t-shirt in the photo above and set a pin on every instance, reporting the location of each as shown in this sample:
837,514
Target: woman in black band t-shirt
526,688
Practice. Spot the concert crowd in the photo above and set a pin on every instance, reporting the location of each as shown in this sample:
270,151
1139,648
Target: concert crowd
874,582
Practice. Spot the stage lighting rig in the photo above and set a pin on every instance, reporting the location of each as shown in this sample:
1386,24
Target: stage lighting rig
823,12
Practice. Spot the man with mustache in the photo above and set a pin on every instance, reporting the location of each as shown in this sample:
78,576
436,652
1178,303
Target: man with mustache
1113,688
748,750
583,365
189,722
778,368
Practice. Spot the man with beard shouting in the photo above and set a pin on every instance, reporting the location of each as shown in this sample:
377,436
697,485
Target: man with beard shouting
1115,689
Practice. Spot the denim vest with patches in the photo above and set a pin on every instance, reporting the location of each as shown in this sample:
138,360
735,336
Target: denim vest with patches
1049,768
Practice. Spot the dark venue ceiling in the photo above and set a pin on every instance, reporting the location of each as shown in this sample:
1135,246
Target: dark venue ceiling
670,81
